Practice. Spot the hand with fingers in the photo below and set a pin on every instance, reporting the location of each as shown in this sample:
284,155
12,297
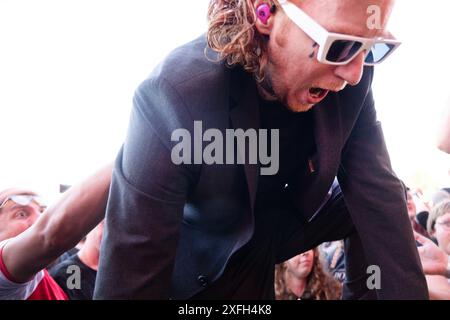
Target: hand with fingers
434,260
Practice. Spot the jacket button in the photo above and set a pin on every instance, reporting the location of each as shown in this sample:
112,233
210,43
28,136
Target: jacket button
203,280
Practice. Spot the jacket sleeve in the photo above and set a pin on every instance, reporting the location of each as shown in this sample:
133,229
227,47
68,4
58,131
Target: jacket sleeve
376,201
145,206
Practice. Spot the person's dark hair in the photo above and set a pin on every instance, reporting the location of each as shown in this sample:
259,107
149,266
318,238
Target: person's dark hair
320,285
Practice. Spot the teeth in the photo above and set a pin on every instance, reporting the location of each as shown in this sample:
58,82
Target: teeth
316,92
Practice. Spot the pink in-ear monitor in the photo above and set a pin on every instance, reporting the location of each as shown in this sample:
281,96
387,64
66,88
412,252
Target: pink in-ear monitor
263,12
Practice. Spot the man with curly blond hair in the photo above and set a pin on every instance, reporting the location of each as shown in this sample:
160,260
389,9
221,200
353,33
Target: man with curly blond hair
293,80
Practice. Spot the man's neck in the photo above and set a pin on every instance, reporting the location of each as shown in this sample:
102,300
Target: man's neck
296,285
265,90
89,257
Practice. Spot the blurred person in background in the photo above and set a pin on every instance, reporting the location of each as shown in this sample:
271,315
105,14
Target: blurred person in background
31,239
436,265
334,257
439,196
435,259
412,213
439,225
304,278
87,261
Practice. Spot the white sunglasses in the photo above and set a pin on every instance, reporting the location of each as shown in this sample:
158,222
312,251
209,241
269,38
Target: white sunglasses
337,48
24,200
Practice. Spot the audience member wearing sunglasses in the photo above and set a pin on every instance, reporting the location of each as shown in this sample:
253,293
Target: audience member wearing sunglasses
304,68
31,238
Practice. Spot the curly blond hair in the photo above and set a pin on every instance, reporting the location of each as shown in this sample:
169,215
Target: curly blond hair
440,209
320,285
232,33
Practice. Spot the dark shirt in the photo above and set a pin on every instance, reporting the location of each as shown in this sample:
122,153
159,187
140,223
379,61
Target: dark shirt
61,258
87,278
295,144
249,273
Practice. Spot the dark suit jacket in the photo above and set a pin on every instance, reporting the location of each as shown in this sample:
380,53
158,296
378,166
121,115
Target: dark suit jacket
167,224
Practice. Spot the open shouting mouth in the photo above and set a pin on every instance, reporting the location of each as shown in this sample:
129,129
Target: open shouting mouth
315,95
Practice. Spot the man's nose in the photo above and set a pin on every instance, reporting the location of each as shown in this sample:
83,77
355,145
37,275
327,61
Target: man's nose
352,72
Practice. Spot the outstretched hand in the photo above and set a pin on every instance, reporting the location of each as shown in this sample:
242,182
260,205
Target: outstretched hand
434,260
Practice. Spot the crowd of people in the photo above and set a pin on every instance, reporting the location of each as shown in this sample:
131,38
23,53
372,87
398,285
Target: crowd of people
37,260
146,227
32,239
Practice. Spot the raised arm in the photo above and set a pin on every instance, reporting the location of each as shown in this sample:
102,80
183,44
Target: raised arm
59,228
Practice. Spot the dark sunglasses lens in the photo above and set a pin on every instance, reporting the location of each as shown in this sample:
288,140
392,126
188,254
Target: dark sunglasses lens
343,50
378,52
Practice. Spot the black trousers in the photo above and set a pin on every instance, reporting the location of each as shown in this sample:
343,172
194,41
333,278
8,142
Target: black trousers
281,232
332,222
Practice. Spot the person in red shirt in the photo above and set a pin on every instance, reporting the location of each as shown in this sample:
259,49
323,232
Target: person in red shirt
31,238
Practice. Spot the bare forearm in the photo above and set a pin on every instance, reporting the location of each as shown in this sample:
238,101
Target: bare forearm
60,228
78,213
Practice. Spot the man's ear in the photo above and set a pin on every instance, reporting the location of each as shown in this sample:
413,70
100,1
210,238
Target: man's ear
264,16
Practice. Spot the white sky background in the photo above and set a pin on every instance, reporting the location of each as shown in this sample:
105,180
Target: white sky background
68,71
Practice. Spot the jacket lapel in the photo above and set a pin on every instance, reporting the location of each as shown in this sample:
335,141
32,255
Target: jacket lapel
328,139
324,164
244,115
311,191
327,133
